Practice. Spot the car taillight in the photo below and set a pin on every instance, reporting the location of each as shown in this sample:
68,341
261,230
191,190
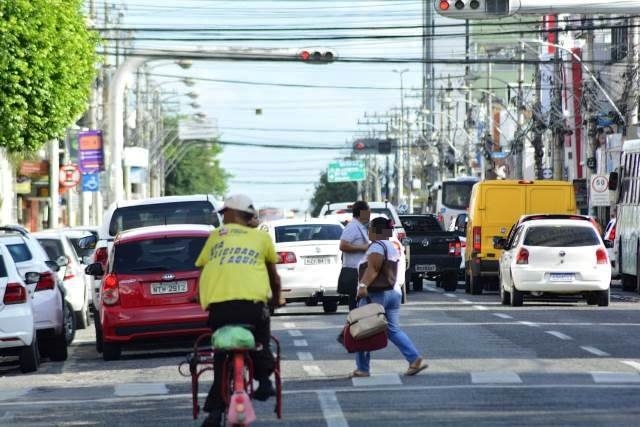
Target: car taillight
68,275
477,239
110,293
454,248
601,256
14,293
101,256
612,233
47,281
522,257
287,258
440,219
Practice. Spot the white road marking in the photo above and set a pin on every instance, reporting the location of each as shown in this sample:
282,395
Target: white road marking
140,389
594,350
480,307
377,380
295,333
502,315
559,335
304,355
450,295
532,324
615,377
300,343
465,301
634,365
7,394
331,410
289,325
313,371
6,417
495,377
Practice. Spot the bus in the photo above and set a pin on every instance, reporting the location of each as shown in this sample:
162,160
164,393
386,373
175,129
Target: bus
450,197
625,182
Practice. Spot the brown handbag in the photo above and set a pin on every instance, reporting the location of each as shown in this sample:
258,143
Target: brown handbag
386,278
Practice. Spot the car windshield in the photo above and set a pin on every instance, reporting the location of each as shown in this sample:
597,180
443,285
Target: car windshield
305,232
53,247
163,254
193,212
19,252
560,236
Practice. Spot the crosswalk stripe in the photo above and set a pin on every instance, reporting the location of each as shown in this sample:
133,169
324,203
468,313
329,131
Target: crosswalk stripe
615,377
495,377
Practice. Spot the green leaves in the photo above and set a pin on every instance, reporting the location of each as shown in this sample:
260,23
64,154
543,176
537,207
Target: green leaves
47,65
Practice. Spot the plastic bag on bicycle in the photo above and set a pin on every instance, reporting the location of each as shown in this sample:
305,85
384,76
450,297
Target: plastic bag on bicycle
233,337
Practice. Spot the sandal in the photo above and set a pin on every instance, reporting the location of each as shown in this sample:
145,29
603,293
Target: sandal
418,365
359,374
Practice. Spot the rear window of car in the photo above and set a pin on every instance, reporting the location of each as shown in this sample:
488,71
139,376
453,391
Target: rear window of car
19,252
3,268
163,254
420,224
53,247
560,236
82,252
306,232
191,212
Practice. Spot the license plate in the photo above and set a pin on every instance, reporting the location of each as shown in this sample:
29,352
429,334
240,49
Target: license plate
561,277
169,287
425,267
318,260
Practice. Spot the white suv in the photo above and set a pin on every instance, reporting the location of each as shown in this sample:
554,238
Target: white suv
380,208
53,316
17,328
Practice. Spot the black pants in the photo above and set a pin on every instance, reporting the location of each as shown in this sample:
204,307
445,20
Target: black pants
348,284
245,313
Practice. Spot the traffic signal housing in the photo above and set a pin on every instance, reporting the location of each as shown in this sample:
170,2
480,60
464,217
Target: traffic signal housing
473,9
372,146
317,56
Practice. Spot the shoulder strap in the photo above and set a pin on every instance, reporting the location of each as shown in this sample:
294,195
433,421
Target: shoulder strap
384,247
366,239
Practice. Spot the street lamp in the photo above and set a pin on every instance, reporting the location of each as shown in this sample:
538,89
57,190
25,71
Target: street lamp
400,151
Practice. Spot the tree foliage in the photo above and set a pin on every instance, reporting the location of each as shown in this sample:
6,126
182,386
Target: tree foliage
332,192
47,63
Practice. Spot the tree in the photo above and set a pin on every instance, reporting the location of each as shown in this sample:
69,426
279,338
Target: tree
332,192
47,64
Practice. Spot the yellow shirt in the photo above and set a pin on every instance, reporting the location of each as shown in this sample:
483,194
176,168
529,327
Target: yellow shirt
234,259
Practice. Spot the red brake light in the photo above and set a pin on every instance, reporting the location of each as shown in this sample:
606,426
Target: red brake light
477,239
287,258
68,274
601,256
101,255
46,281
454,248
522,257
14,293
110,293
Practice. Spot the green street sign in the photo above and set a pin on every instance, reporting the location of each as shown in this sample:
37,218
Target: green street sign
346,171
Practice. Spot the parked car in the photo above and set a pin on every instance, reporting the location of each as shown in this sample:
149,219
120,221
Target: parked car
75,234
54,320
57,244
549,257
435,253
17,322
609,237
149,289
309,260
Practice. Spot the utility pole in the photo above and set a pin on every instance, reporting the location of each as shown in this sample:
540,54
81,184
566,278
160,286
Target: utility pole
468,125
401,141
520,137
556,113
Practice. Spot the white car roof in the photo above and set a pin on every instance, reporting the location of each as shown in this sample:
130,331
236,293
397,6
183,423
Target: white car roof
293,221
170,227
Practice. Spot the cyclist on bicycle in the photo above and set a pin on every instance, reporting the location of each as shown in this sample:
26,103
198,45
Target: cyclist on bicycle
238,285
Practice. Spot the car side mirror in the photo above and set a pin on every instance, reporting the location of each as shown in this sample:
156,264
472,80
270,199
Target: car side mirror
608,244
53,265
499,243
88,242
31,277
94,269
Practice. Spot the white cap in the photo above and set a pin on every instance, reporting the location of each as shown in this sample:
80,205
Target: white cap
239,202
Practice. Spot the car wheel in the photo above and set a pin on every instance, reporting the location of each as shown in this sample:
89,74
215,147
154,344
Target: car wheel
592,298
505,296
450,281
30,356
81,319
111,351
58,348
604,297
407,279
69,320
467,283
98,327
330,306
311,302
475,286
417,283
517,297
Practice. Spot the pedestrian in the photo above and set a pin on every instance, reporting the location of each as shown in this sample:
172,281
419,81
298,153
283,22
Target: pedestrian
380,230
354,242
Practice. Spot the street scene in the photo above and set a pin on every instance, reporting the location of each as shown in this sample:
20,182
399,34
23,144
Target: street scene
319,212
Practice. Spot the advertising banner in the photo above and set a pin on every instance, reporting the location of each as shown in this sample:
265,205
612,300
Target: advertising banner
90,151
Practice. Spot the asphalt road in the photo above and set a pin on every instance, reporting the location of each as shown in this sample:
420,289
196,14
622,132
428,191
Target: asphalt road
544,364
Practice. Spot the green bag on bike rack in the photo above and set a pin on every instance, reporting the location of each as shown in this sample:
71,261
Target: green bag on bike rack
233,337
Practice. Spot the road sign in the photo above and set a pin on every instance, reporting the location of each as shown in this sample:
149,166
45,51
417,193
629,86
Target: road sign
69,175
547,173
599,194
346,171
91,182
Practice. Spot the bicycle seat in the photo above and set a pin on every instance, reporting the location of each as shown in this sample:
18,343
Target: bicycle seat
233,337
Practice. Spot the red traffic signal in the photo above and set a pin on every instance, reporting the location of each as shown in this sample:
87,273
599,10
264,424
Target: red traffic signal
317,56
474,9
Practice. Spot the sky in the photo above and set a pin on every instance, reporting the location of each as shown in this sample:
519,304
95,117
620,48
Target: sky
302,105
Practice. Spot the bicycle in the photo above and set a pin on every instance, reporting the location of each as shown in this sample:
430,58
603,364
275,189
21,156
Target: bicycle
238,369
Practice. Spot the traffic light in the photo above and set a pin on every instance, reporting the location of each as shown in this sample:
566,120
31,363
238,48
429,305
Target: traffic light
317,56
384,146
473,9
372,146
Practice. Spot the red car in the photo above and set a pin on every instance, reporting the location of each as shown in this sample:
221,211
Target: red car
149,290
